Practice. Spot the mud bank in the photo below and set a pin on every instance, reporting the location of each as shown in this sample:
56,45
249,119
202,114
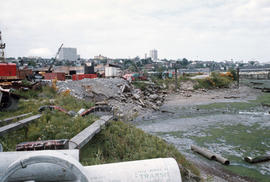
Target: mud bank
230,122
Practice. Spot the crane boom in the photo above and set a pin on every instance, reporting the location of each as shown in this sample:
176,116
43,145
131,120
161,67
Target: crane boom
50,68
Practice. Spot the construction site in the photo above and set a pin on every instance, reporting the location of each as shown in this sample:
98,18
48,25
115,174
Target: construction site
66,123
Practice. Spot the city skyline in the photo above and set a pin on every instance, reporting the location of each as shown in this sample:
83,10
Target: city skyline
210,30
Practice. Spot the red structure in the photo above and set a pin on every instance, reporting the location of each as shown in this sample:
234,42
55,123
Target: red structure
58,76
82,76
7,71
23,74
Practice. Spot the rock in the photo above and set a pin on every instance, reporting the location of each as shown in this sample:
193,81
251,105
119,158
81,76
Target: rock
136,96
155,107
125,88
153,96
159,103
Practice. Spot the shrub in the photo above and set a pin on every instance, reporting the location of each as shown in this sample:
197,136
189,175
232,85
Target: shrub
216,80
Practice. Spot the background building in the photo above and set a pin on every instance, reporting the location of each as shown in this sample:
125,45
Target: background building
153,54
68,54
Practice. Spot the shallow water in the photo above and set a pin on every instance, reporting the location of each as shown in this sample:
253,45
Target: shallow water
234,135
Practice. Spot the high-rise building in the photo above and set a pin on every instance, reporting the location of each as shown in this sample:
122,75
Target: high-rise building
68,54
154,54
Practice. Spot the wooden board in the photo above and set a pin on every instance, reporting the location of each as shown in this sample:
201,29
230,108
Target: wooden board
88,133
14,117
18,124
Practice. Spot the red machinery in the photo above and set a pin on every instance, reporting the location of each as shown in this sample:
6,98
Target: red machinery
82,76
8,71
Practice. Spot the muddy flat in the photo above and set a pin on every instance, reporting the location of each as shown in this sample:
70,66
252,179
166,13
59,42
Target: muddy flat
229,122
243,94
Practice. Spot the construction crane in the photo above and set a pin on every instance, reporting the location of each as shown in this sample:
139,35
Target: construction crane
2,47
50,68
8,100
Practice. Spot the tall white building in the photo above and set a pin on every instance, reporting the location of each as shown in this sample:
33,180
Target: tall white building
68,54
154,54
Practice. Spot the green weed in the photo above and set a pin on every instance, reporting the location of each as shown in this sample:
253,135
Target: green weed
123,142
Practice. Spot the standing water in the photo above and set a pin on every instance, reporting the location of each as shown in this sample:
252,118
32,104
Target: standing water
233,130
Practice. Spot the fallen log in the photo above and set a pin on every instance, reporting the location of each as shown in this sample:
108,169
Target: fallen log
210,155
257,159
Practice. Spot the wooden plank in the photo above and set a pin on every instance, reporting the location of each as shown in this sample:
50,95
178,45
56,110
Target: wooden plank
18,124
14,117
88,133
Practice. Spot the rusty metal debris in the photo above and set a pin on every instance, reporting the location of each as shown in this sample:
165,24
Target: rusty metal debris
43,145
97,109
57,108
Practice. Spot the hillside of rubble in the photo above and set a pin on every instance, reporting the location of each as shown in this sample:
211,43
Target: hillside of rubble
125,98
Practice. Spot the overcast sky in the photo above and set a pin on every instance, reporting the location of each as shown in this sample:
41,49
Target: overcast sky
195,29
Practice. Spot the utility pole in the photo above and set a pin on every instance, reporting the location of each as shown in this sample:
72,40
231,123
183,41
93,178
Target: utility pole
2,47
176,85
238,76
176,66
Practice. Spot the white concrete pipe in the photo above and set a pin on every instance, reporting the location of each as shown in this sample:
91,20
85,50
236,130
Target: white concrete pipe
39,171
65,168
152,170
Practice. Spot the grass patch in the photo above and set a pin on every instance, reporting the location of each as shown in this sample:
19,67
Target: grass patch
123,142
233,106
52,124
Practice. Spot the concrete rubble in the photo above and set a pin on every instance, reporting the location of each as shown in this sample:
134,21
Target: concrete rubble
124,98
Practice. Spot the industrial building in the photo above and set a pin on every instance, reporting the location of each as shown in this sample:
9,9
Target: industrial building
68,54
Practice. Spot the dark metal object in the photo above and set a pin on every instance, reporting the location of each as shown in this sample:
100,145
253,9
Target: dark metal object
43,145
58,108
257,159
8,100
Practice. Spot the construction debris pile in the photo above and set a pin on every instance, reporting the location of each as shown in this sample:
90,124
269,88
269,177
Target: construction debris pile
116,92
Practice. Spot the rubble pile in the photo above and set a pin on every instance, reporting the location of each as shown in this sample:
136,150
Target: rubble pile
118,93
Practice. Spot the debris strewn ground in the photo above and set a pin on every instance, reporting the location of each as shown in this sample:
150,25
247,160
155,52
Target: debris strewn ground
118,93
